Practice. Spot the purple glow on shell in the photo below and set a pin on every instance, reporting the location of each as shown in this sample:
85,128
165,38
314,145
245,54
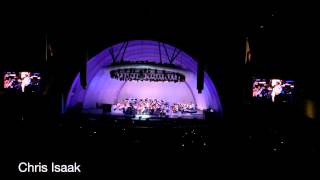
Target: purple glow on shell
157,90
102,89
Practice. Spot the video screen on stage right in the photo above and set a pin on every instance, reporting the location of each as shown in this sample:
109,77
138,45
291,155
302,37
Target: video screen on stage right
276,91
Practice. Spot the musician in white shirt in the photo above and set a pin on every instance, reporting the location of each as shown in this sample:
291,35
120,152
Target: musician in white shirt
25,82
276,90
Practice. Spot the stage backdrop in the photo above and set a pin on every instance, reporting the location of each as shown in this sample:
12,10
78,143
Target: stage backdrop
101,88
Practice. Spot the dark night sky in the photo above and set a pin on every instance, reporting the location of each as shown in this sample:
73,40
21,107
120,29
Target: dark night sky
283,37
273,29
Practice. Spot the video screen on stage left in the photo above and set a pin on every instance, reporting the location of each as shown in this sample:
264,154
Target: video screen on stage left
273,90
24,82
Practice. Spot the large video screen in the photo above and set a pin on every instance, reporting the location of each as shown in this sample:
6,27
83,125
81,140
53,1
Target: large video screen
273,90
25,82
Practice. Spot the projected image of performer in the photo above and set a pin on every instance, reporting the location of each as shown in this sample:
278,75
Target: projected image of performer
8,82
257,91
16,84
277,89
26,80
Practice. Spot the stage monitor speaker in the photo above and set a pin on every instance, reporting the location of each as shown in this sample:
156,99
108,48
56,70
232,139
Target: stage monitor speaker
200,77
106,107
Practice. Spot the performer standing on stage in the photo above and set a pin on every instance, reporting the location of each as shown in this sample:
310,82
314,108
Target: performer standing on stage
276,91
26,80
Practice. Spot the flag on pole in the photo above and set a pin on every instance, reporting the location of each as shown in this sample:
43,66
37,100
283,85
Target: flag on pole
49,49
83,71
46,55
248,52
62,104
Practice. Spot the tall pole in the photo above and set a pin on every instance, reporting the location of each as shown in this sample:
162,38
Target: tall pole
46,51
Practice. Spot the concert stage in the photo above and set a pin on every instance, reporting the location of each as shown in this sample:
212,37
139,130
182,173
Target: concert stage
144,117
144,80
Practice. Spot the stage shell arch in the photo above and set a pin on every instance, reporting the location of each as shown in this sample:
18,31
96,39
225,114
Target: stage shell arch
101,88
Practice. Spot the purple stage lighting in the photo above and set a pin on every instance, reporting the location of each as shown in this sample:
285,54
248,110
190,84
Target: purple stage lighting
145,54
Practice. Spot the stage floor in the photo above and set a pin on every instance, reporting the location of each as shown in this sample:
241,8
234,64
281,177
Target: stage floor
118,114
